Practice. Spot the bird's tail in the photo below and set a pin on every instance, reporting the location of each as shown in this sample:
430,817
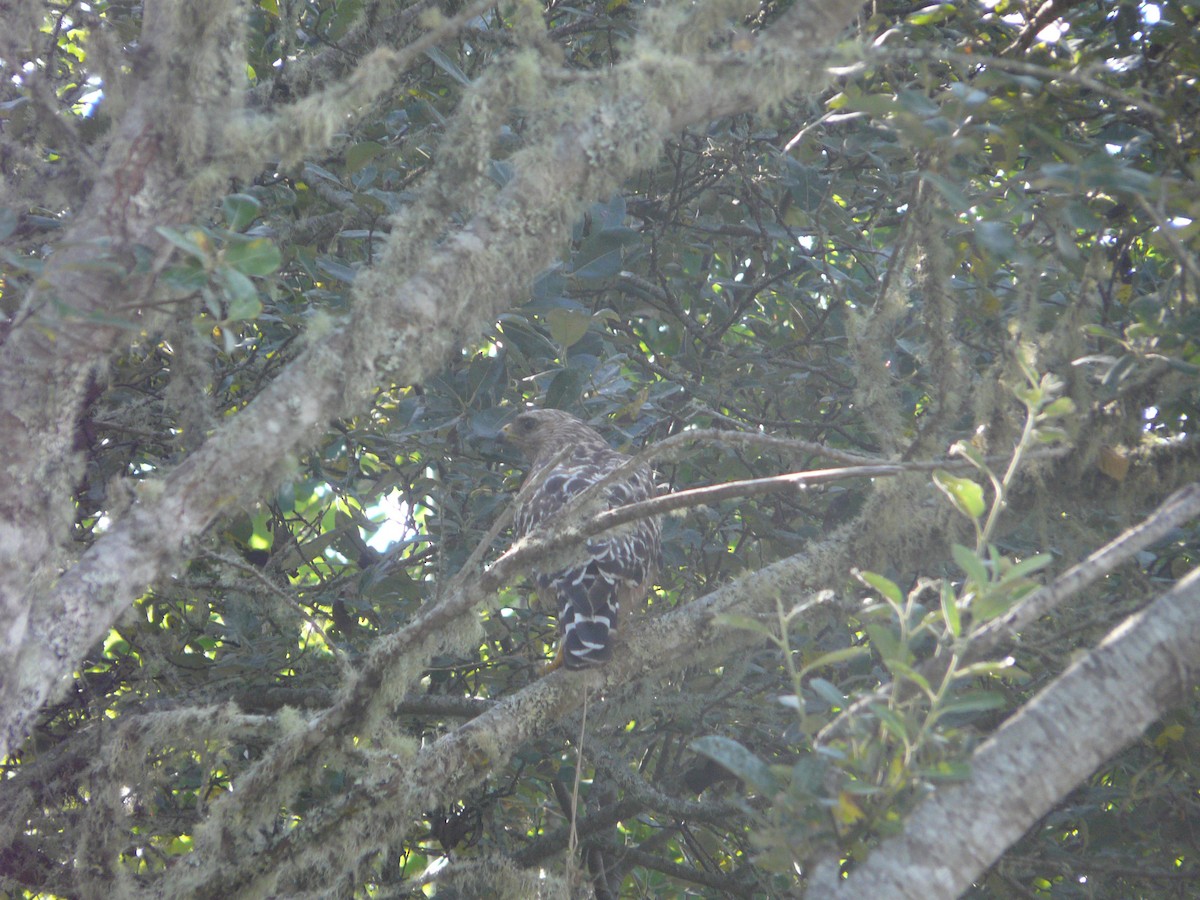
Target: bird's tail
587,617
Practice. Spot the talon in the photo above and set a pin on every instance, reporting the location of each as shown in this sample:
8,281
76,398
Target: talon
555,663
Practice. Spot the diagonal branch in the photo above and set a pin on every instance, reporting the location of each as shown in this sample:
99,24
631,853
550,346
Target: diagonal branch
1145,666
568,527
408,320
1178,509
441,771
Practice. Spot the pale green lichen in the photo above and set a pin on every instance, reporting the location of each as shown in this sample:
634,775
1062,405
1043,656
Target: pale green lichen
291,722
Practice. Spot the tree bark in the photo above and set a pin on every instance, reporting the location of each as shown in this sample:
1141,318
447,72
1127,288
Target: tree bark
406,320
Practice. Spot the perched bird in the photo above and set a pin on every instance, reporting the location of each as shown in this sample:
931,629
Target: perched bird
566,457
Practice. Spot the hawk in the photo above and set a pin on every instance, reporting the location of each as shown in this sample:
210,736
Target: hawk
565,458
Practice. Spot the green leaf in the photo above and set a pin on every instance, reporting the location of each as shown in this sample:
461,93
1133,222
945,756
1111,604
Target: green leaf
568,326
336,269
828,692
744,623
564,389
500,171
979,701
1026,356
996,602
609,215
951,190
358,155
738,760
807,184
950,610
67,311
22,263
1052,435
345,14
447,65
191,276
904,670
965,494
968,560
948,770
195,242
886,643
254,257
606,265
240,210
1028,566
808,774
891,721
931,15
243,295
1063,406
888,588
8,221
835,656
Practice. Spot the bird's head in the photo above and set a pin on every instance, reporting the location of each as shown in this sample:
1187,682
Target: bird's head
537,430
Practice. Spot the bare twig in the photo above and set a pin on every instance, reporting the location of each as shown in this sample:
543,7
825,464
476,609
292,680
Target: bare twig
564,530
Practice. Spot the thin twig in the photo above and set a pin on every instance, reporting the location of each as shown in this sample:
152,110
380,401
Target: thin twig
559,532
573,839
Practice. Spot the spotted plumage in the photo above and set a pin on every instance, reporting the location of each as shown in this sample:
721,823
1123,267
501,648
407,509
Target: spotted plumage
566,457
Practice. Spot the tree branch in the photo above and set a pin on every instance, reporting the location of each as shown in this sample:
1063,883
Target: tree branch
441,771
453,293
1178,509
1145,666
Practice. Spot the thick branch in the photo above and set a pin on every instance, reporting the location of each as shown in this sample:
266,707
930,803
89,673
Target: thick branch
441,771
457,291
1177,510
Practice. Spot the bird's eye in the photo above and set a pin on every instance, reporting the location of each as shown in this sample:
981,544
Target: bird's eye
526,425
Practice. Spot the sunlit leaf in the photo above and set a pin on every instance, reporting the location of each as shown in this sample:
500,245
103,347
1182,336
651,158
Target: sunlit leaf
737,759
950,613
978,701
968,560
888,588
567,326
964,493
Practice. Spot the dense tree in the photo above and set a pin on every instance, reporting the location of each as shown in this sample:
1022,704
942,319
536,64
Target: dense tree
900,301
